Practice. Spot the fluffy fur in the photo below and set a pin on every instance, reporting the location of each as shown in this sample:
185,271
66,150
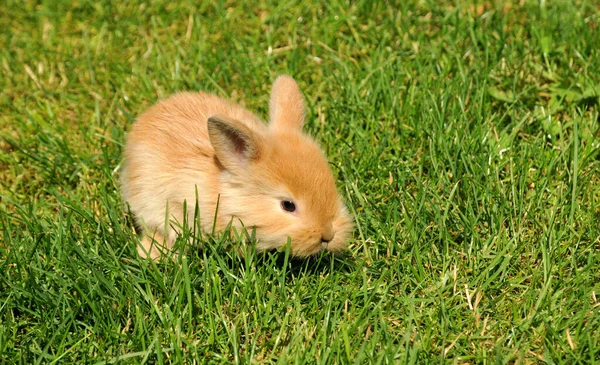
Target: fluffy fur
200,142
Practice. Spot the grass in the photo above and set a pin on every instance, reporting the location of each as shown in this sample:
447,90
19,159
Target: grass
465,138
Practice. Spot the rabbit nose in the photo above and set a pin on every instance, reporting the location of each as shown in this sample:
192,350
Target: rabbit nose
327,237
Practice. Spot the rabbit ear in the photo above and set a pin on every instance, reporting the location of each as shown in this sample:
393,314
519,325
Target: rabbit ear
235,144
286,105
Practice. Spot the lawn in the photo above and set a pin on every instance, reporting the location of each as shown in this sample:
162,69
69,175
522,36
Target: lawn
464,136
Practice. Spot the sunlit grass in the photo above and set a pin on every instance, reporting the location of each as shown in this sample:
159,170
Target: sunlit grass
465,140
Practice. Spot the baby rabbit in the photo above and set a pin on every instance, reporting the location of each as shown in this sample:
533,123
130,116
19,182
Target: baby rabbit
197,147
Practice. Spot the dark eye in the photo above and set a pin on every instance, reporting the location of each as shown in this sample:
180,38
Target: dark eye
288,206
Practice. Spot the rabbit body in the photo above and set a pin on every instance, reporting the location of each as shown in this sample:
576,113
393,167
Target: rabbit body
197,147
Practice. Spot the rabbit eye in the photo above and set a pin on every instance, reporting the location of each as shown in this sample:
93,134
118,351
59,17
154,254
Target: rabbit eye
288,206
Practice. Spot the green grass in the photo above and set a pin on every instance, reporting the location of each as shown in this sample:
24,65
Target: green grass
465,137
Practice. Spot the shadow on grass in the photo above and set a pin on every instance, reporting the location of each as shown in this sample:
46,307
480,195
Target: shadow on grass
247,257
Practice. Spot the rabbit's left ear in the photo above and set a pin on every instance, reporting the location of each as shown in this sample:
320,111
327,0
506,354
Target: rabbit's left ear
286,105
235,145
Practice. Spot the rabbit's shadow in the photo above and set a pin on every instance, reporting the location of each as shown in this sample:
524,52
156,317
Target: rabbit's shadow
247,258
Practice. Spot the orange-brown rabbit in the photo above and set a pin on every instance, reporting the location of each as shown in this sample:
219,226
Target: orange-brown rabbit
273,178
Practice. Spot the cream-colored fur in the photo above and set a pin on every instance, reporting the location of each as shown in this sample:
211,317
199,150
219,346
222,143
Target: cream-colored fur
197,142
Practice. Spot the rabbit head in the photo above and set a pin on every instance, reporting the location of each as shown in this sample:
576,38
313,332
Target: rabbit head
279,181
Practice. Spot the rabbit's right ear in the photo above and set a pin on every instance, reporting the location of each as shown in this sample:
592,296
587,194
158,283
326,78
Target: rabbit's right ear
286,105
234,143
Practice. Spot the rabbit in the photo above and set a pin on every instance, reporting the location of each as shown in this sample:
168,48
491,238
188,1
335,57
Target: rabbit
201,149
